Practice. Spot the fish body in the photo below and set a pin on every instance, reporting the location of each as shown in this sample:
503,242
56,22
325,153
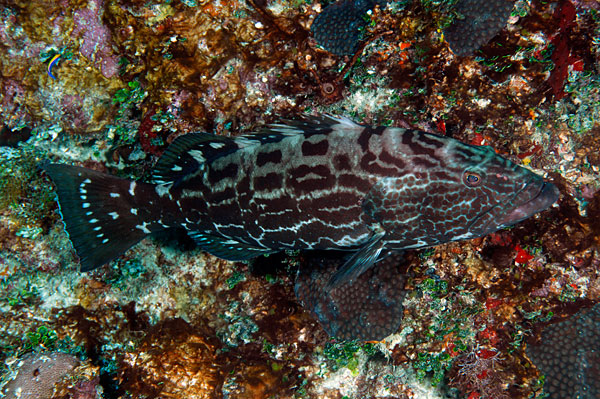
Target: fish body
317,183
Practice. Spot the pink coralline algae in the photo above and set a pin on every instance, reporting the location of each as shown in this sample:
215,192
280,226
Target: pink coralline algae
96,39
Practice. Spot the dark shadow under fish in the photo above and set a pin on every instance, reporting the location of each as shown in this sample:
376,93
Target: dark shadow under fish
319,183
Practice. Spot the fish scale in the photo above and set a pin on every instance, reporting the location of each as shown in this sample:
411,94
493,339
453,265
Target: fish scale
316,183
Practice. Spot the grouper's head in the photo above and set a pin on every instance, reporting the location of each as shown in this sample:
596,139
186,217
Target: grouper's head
484,192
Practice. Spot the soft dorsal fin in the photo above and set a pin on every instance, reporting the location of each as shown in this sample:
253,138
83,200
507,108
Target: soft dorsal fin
227,249
187,153
306,125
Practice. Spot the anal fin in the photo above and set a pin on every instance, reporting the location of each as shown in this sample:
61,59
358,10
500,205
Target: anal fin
226,248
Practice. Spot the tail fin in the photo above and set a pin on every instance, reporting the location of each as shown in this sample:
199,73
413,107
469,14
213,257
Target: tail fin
100,213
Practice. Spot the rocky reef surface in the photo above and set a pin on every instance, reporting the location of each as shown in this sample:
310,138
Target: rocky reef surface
108,84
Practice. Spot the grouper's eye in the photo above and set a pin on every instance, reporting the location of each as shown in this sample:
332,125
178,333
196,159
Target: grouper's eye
471,179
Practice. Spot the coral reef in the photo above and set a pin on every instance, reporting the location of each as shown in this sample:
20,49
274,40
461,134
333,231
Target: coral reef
36,376
166,319
368,309
339,27
477,24
568,354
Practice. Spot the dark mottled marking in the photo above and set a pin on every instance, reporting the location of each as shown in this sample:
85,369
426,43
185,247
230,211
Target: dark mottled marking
230,171
341,162
443,176
243,189
218,197
388,158
424,162
324,180
192,203
276,205
264,158
419,149
226,212
309,185
353,181
319,148
270,181
365,135
429,140
464,152
407,137
367,163
332,200
303,170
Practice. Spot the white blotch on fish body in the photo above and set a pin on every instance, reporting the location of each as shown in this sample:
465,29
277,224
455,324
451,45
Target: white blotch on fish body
143,228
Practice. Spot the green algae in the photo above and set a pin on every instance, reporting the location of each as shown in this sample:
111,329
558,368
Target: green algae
26,195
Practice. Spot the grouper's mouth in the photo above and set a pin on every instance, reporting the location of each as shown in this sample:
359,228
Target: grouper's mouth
547,195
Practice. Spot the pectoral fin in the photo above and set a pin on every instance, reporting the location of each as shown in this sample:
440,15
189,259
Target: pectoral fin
359,262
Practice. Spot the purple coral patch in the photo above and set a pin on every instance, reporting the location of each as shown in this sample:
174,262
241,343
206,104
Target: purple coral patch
96,43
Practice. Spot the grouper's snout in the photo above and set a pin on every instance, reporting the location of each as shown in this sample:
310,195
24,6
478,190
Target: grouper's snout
548,194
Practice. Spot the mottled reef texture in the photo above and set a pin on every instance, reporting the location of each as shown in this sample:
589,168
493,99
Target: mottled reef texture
568,353
479,319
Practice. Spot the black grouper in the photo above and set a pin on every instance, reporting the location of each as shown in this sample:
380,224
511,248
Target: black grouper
317,183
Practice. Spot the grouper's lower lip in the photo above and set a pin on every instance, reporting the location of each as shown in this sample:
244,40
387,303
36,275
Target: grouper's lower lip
547,195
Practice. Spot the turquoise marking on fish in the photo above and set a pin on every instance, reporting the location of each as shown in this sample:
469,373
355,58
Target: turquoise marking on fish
53,61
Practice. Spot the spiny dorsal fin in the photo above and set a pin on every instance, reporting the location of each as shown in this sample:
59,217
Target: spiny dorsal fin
227,249
186,155
309,125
